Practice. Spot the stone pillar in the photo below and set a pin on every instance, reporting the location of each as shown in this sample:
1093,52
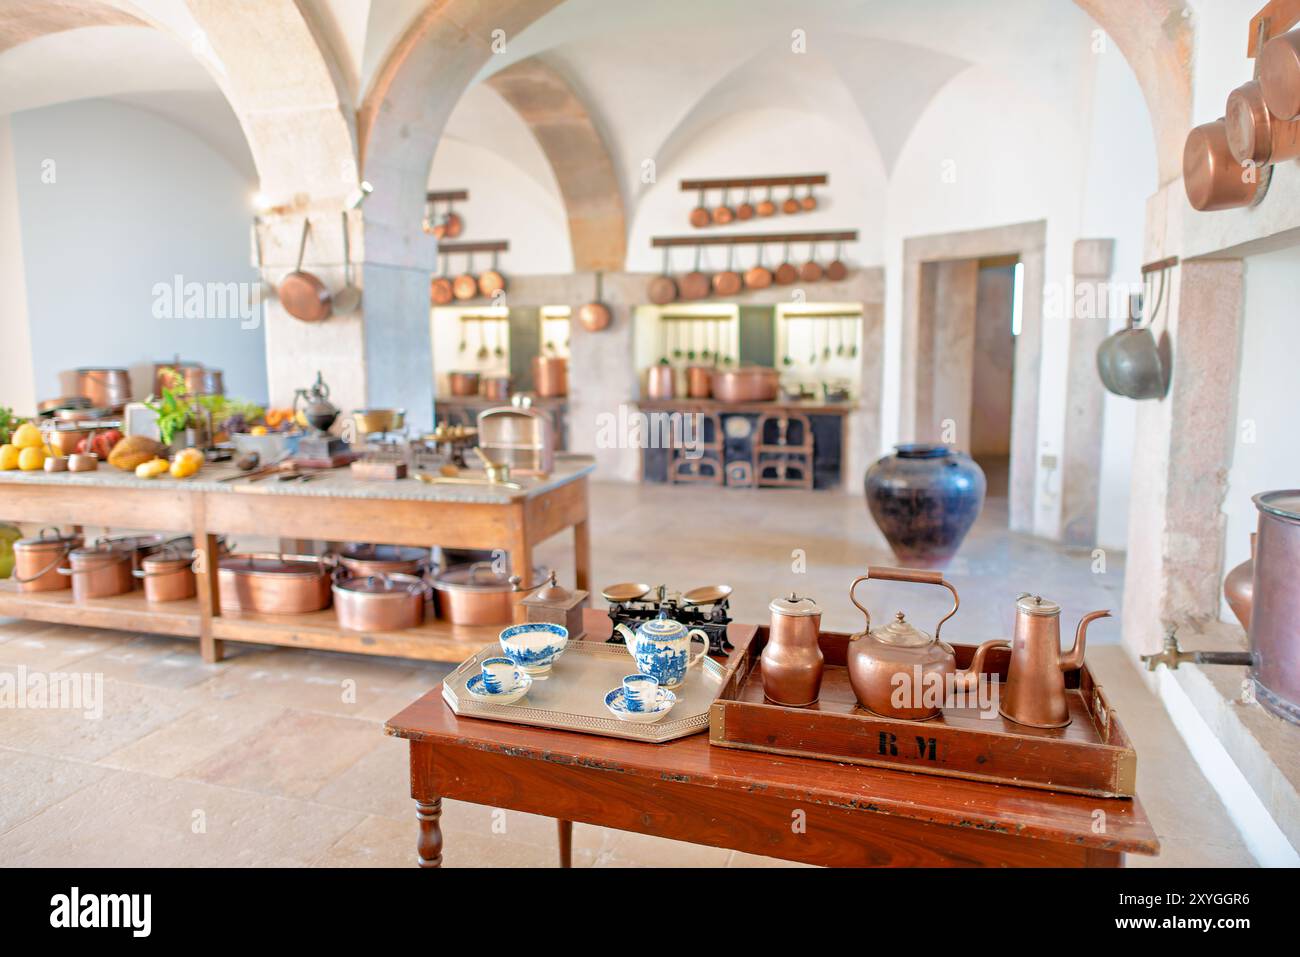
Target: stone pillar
1084,395
1180,463
952,374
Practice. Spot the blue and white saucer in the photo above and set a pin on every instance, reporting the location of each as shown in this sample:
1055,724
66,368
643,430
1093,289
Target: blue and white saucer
509,695
617,706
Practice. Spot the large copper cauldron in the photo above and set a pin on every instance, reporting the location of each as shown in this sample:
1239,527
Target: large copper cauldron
1275,613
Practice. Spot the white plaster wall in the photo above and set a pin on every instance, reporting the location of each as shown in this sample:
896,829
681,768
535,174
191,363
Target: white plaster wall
136,201
1265,455
17,387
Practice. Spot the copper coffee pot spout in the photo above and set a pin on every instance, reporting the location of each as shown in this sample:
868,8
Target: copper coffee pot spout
1073,659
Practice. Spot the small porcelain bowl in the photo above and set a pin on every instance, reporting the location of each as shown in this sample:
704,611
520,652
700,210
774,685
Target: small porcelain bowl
617,706
509,694
534,646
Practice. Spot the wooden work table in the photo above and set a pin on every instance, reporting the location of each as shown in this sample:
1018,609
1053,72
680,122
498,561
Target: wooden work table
689,790
332,507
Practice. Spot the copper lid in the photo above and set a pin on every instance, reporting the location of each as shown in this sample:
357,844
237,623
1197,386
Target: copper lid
901,632
382,585
794,606
1037,605
1284,504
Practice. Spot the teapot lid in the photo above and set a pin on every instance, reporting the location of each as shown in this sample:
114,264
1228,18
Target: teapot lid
794,606
902,632
1037,605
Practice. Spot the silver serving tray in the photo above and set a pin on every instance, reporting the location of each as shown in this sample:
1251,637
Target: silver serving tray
572,696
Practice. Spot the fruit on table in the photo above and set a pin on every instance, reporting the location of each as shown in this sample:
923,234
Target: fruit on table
101,443
28,436
32,458
259,430
151,469
9,457
186,463
135,450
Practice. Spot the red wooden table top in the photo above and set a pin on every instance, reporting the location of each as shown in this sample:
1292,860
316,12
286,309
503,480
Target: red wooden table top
1026,812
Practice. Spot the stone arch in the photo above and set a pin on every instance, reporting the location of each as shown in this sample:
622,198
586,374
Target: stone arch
1155,37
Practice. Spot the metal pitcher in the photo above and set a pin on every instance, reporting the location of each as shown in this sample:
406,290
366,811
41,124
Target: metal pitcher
1035,688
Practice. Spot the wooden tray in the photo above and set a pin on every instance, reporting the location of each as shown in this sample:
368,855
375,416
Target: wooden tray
1091,755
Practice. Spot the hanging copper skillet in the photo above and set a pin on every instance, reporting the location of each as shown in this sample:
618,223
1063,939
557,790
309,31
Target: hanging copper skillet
728,282
595,316
302,294
766,207
837,270
811,271
722,213
663,289
452,225
465,286
786,273
440,293
695,284
758,276
1254,134
700,216
791,204
809,202
491,281
746,209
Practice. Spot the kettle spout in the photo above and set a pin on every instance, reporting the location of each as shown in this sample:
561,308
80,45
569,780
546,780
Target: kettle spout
1073,660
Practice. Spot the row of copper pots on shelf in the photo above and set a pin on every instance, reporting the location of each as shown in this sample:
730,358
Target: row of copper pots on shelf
550,380
466,285
1224,161
698,284
724,213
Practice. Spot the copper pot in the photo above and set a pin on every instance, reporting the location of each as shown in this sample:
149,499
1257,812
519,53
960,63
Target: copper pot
792,661
746,384
463,383
465,286
1213,179
105,388
476,595
361,560
766,207
695,284
274,584
1279,75
37,560
595,316
811,271
791,205
380,602
302,294
200,380
659,382
786,273
1239,586
1275,609
728,282
700,215
64,440
168,576
491,281
440,293
699,381
99,571
550,376
722,215
745,211
1254,135
496,387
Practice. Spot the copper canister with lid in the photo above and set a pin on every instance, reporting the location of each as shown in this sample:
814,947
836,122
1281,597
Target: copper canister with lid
1275,612
792,662
100,571
37,560
168,575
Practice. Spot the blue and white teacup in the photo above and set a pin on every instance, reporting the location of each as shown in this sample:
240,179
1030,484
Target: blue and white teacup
640,692
498,675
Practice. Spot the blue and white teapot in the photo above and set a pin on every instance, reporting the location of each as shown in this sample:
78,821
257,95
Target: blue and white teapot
662,648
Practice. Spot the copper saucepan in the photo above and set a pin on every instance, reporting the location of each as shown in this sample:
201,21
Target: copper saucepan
274,584
491,281
758,276
380,602
1254,134
440,293
663,288
728,282
465,286
1213,179
301,293
766,207
700,215
811,271
1279,75
786,273
695,284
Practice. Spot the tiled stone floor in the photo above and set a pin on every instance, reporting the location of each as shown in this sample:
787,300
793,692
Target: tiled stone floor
277,757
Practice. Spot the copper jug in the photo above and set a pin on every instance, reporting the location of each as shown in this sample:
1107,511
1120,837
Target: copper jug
792,662
899,671
1035,689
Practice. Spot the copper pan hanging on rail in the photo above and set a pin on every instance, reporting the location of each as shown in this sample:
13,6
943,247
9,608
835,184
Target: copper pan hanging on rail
1213,179
787,272
728,281
302,294
663,288
1279,75
440,293
758,276
1255,135
695,284
700,216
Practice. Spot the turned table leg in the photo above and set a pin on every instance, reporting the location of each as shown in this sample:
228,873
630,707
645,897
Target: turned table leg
565,829
429,846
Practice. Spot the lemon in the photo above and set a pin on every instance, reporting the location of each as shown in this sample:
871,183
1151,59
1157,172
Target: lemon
31,459
28,436
9,457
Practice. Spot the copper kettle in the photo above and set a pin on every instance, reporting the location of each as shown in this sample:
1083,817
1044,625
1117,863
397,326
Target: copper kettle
1034,694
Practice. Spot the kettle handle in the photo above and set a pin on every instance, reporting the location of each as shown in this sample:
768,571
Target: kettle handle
920,576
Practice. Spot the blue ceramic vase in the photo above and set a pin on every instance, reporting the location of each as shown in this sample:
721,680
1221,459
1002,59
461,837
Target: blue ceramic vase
925,498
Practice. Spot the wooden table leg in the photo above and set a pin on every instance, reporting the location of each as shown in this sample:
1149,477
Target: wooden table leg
582,555
207,557
565,830
429,846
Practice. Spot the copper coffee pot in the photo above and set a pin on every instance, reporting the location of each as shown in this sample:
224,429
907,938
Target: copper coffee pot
1034,693
792,660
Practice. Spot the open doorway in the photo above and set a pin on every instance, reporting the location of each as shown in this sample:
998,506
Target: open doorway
997,323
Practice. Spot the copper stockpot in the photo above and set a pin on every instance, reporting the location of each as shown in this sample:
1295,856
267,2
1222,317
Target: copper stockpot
1213,179
746,384
659,382
64,440
274,584
1275,608
550,376
877,659
361,559
168,575
105,388
1279,75
476,595
100,571
200,380
37,560
380,602
792,662
463,383
1254,135
496,388
699,381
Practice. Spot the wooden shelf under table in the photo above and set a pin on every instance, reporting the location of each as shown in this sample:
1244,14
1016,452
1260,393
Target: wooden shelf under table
128,612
